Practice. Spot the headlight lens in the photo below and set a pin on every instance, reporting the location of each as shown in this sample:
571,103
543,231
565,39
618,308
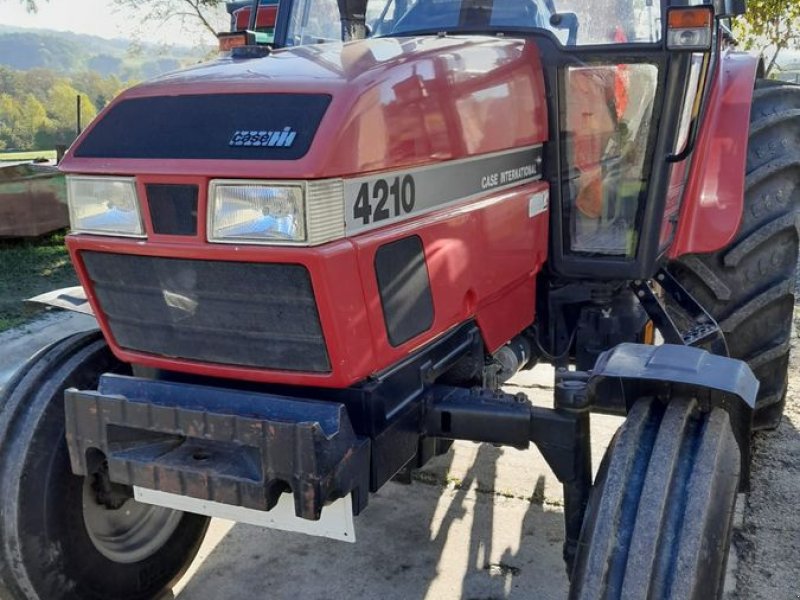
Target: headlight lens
300,213
104,205
257,213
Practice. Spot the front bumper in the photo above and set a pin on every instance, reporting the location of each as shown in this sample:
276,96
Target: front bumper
228,446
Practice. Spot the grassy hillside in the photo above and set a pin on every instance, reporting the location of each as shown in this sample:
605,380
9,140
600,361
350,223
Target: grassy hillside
25,49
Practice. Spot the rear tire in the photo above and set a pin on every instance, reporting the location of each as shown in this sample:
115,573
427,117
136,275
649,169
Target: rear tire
659,519
46,549
749,286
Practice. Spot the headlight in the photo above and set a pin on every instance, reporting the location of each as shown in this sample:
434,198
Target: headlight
296,213
104,205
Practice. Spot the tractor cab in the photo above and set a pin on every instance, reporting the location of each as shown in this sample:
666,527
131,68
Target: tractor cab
626,84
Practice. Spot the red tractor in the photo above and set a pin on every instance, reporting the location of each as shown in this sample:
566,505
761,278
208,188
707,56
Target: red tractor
314,263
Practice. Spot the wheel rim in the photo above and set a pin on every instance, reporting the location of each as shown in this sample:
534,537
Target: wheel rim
131,533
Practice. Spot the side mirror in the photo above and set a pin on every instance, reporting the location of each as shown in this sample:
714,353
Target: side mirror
730,8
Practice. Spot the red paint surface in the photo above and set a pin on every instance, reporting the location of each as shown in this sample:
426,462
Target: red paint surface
482,259
395,103
714,197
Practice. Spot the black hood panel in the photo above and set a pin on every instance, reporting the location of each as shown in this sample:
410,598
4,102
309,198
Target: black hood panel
208,126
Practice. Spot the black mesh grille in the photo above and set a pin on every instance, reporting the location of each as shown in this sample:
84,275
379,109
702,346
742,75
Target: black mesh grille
173,208
214,126
246,314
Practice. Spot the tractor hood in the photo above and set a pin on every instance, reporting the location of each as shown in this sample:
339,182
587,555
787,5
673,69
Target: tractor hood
325,110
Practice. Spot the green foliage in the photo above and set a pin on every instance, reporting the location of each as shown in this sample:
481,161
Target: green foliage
770,26
100,88
39,108
42,73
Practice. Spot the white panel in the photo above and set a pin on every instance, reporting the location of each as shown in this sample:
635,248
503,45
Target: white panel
538,203
336,521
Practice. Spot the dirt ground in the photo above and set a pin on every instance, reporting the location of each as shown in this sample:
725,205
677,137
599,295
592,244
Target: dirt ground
768,541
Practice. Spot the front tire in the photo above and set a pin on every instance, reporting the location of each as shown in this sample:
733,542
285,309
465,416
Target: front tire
659,519
60,539
749,286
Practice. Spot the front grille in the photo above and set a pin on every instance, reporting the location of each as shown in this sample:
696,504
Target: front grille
231,313
173,208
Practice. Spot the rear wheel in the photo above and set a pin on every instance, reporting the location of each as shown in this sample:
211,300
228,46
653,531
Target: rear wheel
64,537
659,519
749,286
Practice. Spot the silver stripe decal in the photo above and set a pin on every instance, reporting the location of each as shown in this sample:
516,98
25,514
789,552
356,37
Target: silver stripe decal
385,198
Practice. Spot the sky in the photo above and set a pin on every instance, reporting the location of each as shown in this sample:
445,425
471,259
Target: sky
95,17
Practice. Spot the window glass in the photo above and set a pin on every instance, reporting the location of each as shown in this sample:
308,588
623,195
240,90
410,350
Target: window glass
314,22
607,123
573,22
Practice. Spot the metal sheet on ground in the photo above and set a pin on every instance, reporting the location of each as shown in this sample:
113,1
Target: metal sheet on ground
336,521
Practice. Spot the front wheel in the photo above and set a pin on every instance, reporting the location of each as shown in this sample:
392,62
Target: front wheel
659,519
64,537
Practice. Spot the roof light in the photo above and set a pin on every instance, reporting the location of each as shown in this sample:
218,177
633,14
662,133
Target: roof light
229,41
245,44
690,28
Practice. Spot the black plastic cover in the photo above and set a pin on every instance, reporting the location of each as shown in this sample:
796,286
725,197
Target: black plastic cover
213,126
628,372
405,289
234,447
173,208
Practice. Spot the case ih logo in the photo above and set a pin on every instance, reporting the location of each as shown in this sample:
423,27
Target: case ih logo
274,139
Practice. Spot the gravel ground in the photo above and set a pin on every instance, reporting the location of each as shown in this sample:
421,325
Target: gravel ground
768,542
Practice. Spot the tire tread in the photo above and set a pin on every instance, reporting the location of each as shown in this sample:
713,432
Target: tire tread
749,287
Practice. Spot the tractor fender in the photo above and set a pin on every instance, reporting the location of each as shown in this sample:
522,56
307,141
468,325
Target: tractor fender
72,298
713,199
629,372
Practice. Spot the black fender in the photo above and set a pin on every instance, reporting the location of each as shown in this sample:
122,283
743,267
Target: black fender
631,371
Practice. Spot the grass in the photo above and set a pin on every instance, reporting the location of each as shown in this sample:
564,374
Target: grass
14,156
29,268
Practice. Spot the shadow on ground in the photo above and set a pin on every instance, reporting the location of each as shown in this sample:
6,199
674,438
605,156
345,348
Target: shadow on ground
768,543
415,542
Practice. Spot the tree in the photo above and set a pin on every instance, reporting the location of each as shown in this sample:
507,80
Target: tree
38,107
38,82
9,116
21,120
770,26
33,119
207,13
62,111
101,90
